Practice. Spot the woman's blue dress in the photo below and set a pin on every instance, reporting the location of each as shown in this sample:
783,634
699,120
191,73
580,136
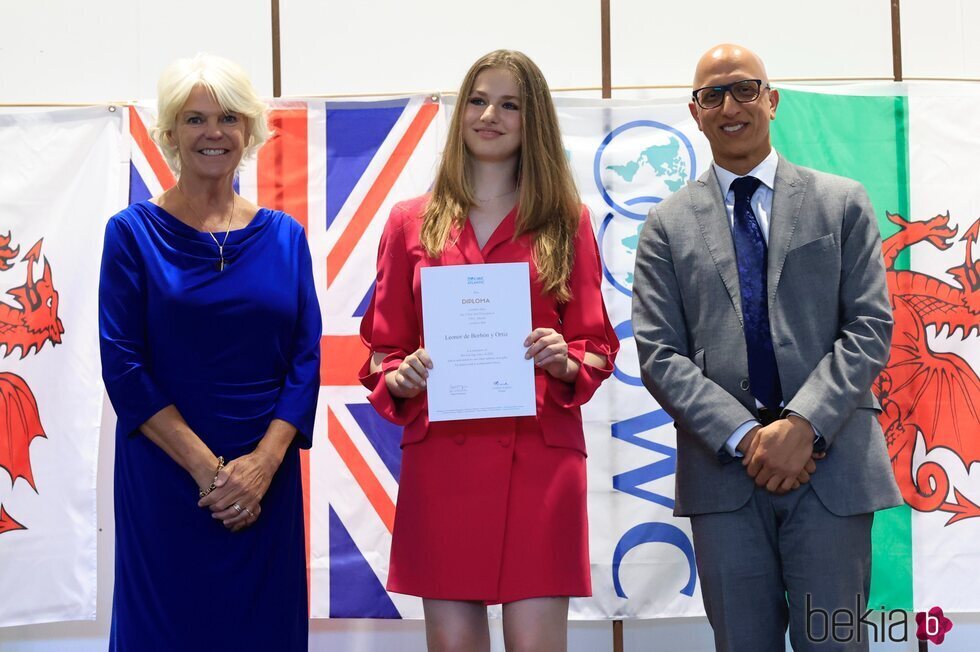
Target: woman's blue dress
232,350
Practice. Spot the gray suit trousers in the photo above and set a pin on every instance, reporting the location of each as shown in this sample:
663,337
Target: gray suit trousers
776,549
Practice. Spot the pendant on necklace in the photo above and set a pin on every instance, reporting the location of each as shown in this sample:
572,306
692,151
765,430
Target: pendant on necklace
221,264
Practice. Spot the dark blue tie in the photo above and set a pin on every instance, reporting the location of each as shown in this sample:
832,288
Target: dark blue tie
750,252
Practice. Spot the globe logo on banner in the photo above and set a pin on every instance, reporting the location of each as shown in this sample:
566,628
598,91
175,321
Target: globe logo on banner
637,165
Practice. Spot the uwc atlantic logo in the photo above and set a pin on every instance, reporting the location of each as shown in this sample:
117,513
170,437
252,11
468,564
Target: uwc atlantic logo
637,165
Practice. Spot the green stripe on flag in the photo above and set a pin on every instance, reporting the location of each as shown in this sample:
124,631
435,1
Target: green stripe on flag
891,559
864,138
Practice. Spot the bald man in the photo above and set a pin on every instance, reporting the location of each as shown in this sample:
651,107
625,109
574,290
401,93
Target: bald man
761,318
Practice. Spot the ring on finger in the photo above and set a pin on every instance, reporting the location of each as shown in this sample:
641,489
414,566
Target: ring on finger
248,511
238,508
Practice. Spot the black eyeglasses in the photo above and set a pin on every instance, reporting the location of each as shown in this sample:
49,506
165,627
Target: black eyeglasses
744,91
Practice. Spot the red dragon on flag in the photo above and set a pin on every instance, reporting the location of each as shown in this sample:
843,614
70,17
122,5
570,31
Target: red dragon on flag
27,328
925,391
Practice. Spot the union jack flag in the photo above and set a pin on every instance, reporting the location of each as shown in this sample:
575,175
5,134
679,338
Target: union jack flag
337,167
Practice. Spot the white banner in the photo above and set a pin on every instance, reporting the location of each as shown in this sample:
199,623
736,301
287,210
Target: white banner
627,157
62,174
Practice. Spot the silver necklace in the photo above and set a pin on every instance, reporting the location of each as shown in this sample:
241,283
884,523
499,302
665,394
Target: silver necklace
220,265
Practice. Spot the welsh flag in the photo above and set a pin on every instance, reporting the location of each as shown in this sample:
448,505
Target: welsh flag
917,155
62,174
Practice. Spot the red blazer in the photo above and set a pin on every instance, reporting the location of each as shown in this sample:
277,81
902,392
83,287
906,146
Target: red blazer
393,323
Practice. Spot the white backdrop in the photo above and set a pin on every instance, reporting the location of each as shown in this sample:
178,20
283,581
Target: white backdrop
112,50
56,51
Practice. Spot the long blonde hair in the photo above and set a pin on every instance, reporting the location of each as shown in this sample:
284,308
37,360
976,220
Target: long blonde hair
548,203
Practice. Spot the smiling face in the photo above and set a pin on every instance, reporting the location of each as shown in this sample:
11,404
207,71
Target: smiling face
738,132
210,142
492,117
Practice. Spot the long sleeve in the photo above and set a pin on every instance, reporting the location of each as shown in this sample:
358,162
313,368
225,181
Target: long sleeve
134,394
298,398
585,324
390,325
832,391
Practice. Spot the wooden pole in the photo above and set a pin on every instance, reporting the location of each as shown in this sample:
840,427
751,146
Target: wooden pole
606,49
606,40
617,636
276,53
896,40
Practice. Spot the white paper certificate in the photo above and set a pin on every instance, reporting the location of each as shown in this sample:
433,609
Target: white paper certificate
476,318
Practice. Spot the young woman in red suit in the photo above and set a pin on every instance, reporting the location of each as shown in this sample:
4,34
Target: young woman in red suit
494,510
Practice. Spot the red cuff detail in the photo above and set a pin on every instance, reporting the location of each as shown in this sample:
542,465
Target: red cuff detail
588,379
400,411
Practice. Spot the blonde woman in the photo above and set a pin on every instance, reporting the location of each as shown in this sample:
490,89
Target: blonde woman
210,333
494,510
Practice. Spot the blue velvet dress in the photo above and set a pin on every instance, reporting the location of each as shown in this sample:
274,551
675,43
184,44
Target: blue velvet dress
232,350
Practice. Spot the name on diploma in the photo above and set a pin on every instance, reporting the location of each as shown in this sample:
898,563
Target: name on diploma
475,319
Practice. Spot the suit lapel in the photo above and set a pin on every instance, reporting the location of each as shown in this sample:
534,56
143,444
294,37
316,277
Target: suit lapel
503,233
708,207
787,199
462,242
463,238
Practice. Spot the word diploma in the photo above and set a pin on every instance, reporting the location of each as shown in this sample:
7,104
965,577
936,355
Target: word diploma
475,320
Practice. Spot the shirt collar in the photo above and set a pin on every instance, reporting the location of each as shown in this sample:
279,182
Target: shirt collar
764,172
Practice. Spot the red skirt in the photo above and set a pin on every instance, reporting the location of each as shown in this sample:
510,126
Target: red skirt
491,518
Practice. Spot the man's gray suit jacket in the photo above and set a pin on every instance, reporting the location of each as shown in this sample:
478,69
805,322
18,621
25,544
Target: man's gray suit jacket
831,328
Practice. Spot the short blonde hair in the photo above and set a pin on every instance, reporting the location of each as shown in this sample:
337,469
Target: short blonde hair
230,86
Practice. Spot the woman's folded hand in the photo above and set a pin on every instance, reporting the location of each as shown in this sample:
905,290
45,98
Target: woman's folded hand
239,489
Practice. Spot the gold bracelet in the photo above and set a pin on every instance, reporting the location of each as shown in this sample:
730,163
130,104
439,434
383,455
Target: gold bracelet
221,465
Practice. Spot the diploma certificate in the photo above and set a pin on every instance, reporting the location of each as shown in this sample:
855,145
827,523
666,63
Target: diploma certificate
476,318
